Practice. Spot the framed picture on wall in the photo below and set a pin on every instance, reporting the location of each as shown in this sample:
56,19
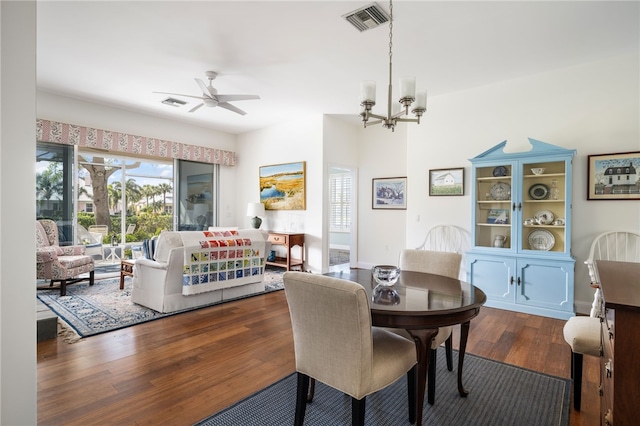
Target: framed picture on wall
446,182
283,186
389,193
614,176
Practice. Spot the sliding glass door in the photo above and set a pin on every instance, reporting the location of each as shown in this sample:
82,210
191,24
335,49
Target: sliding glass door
133,198
54,187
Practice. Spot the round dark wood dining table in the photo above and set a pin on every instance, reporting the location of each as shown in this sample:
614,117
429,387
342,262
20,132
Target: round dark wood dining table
421,303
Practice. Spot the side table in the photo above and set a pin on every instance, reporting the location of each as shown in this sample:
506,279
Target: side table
288,240
126,270
113,256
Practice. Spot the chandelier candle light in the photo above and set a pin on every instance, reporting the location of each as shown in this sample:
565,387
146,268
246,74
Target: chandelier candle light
407,94
253,211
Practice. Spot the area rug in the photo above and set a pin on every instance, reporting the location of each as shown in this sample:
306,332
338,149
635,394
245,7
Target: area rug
499,394
338,257
103,307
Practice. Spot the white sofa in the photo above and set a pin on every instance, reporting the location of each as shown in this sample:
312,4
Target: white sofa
164,285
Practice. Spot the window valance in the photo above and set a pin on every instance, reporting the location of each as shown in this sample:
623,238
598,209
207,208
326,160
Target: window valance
70,134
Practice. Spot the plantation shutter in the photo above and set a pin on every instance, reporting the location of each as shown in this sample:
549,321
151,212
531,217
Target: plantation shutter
340,195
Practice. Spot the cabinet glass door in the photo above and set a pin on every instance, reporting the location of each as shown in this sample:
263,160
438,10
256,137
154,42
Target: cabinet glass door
543,206
493,206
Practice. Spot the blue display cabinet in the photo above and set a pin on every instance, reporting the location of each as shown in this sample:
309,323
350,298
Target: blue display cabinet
521,229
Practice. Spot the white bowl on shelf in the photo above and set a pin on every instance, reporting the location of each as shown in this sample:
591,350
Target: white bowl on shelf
537,170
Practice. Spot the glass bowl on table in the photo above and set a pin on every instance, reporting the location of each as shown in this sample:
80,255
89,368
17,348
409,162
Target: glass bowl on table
385,275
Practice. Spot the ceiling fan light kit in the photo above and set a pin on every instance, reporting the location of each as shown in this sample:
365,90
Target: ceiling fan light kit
408,95
211,98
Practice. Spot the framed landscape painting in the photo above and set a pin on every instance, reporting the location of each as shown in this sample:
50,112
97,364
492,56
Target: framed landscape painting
389,193
614,176
282,186
446,181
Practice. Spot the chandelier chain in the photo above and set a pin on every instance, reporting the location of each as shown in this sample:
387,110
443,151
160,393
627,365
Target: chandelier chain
408,95
390,30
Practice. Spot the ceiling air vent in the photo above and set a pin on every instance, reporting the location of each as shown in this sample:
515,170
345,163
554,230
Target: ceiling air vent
174,102
367,17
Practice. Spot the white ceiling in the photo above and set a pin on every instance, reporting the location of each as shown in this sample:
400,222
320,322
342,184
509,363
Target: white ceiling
301,57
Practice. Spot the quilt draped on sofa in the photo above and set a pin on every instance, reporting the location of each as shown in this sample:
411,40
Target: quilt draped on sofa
215,260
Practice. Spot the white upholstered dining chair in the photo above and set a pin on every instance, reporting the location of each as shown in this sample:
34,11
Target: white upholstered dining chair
439,263
335,343
582,333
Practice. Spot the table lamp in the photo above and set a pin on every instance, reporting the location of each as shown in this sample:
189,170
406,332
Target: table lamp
254,210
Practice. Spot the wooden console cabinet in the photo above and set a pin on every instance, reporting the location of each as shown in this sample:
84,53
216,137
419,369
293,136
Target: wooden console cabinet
288,240
619,367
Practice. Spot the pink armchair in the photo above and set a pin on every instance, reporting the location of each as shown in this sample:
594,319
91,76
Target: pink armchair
56,263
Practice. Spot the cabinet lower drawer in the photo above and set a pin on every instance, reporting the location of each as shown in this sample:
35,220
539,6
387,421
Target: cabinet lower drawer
526,284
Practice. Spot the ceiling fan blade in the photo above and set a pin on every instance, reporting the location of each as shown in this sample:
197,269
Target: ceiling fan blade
195,108
204,88
231,108
231,98
180,94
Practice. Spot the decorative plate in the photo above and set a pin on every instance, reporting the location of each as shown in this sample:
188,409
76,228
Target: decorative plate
500,171
539,191
500,191
541,239
544,217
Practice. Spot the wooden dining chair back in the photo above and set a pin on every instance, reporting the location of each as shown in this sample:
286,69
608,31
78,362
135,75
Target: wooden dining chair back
443,238
582,333
335,343
621,246
439,263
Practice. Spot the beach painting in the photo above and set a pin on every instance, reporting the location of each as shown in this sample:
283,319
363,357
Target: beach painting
282,186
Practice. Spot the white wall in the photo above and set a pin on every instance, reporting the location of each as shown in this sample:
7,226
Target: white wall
285,143
17,214
593,108
381,233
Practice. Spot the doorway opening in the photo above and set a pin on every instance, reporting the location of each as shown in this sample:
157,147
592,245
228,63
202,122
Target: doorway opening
341,218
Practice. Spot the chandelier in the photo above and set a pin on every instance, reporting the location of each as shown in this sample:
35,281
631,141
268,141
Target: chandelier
407,95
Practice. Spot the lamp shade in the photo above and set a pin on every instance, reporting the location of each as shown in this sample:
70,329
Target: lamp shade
407,87
421,99
255,209
368,91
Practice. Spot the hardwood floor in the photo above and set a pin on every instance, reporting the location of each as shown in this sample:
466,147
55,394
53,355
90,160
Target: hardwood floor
179,370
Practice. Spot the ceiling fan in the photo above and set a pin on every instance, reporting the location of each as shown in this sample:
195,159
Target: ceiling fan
211,98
